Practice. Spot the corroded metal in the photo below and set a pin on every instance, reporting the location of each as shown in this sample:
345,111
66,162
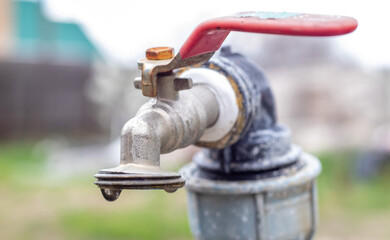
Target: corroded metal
159,53
234,134
260,185
274,207
150,69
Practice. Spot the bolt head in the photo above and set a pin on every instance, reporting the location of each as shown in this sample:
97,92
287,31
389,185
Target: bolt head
159,53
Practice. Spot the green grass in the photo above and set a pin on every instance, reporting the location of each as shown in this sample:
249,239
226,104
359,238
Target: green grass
20,162
339,187
156,219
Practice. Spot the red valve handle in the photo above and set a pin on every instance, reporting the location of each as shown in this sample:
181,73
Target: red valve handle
209,35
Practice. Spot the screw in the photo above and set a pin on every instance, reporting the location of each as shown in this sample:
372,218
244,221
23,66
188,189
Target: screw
159,53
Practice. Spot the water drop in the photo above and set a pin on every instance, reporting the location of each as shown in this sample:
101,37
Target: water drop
110,194
170,190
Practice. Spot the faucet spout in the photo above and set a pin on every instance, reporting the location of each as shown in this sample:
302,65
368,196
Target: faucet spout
141,139
160,126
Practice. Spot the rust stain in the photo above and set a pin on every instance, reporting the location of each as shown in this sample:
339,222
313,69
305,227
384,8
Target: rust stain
239,125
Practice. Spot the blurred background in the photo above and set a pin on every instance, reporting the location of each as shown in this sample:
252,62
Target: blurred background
66,89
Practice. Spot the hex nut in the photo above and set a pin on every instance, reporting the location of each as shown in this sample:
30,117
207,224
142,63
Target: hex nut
159,53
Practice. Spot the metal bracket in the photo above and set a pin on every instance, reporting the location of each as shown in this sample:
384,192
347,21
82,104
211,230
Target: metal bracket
151,68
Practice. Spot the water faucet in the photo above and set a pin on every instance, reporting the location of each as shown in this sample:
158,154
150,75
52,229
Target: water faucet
175,118
249,173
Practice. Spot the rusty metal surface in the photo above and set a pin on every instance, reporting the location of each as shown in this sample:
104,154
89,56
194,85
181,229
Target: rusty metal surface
150,69
234,134
256,142
159,53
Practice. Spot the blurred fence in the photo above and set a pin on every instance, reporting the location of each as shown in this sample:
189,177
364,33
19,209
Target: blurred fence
40,98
